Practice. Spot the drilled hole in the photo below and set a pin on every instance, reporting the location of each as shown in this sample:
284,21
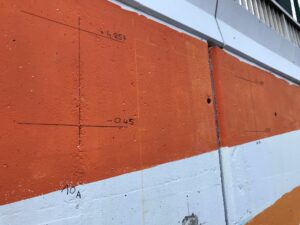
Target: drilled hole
275,113
208,100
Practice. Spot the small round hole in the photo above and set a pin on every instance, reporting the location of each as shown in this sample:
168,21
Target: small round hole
275,113
208,100
13,40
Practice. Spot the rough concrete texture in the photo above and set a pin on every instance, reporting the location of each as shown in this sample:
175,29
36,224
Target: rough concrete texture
166,194
88,93
258,173
258,117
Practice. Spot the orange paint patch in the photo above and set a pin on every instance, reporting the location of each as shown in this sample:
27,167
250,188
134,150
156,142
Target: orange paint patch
285,211
90,91
251,103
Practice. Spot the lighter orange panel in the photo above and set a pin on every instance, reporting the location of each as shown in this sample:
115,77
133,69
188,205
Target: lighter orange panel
251,103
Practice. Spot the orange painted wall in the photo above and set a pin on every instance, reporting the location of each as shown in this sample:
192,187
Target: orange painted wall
285,211
251,103
69,68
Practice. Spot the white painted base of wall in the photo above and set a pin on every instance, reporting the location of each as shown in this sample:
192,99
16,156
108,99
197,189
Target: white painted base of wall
259,173
161,195
256,175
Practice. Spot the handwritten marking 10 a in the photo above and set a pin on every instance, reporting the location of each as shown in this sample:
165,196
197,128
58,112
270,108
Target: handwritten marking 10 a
71,190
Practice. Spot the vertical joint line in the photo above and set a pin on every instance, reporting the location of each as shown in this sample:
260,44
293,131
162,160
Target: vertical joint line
218,138
79,83
217,22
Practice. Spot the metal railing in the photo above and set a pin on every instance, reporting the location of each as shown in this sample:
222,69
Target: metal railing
273,15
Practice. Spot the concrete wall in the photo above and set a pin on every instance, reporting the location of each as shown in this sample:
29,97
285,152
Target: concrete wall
258,117
109,117
227,24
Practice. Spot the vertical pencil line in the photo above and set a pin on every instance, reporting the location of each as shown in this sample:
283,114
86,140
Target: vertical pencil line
79,84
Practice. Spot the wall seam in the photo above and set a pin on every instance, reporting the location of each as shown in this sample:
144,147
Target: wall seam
218,137
217,22
133,4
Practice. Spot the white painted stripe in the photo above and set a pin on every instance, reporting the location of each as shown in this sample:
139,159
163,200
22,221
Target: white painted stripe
259,173
195,14
161,195
237,40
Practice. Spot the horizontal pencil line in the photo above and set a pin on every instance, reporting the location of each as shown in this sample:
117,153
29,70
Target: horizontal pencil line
252,81
70,26
71,125
257,131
